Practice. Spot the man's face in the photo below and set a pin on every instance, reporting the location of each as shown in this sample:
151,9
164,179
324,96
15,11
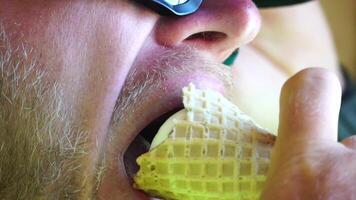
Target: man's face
80,80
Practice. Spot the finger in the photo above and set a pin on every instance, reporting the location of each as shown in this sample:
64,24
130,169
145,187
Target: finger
350,142
309,106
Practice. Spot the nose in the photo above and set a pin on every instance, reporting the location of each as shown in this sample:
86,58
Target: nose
218,27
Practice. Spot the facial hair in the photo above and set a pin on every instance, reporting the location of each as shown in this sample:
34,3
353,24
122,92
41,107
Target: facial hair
41,149
42,146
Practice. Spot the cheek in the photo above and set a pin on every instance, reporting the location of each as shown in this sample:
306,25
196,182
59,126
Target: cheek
74,36
88,48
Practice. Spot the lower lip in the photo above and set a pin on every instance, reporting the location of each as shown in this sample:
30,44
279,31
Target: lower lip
141,195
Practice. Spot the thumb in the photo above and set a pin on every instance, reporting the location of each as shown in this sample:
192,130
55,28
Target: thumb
309,107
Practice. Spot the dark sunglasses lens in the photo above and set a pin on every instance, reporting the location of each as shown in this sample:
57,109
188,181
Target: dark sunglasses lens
275,3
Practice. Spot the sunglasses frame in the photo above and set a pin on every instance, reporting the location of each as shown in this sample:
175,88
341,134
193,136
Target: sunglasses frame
277,3
165,8
190,6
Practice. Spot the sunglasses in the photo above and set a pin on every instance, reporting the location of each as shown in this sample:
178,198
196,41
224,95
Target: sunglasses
186,7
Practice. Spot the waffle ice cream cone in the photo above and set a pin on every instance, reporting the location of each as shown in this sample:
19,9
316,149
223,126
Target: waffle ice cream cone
209,150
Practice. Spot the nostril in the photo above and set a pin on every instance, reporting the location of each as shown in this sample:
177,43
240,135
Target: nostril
209,36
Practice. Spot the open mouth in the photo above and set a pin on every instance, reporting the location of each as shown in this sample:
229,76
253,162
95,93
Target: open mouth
141,144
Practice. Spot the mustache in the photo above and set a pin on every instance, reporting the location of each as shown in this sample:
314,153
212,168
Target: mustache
172,62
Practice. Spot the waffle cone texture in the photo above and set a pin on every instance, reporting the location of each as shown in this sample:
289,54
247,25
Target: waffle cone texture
214,152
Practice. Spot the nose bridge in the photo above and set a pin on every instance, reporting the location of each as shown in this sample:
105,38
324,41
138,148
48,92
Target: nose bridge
218,27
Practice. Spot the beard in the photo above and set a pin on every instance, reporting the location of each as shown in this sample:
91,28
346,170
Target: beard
43,146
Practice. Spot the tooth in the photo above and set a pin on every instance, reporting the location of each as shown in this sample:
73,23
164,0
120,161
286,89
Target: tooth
209,150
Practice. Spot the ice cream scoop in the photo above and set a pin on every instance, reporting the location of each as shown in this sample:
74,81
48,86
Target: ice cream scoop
209,150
